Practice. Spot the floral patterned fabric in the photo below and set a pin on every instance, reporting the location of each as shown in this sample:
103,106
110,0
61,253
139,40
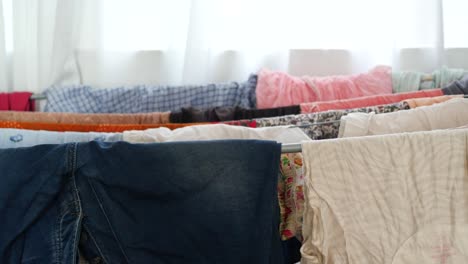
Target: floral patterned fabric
327,122
291,178
291,195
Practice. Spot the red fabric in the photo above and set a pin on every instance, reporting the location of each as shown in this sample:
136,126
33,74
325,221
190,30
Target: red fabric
17,101
366,101
4,103
245,123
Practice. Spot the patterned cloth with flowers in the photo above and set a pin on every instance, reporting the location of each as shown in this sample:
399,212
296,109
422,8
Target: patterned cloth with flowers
327,122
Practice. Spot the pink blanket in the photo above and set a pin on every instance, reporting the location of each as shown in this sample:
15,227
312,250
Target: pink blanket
275,89
367,101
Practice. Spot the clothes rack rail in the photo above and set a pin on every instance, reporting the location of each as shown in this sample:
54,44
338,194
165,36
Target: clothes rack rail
38,97
291,148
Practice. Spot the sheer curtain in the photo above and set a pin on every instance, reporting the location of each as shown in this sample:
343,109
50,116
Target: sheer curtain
177,42
38,39
120,42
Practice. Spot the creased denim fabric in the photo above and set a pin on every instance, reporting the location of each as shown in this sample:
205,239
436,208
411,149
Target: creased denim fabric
185,202
147,98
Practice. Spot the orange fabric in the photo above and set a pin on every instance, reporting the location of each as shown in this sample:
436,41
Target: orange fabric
417,102
111,128
366,101
84,118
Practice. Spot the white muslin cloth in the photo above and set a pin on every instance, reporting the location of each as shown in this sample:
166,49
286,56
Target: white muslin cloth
281,134
391,199
449,114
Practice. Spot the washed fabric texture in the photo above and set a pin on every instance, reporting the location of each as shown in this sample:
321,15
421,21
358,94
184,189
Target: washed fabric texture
276,89
244,123
16,138
141,203
387,199
403,82
112,128
425,101
366,101
325,125
291,251
16,101
282,134
445,76
145,98
218,114
457,87
290,182
450,114
291,196
413,81
81,118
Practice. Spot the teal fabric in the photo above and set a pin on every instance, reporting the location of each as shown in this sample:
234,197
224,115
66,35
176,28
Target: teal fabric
445,76
406,81
411,81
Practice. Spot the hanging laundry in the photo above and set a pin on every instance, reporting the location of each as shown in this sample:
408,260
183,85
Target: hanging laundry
404,82
283,134
276,89
145,98
445,76
291,195
425,101
111,128
19,138
449,114
387,199
244,123
328,121
413,81
16,101
81,118
184,202
457,87
217,114
366,101
290,175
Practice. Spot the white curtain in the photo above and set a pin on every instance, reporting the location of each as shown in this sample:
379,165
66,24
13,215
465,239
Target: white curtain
122,42
38,41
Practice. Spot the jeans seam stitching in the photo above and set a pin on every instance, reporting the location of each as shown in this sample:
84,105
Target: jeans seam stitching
77,201
97,245
108,221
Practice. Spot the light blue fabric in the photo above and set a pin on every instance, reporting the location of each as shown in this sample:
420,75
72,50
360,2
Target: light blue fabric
445,76
406,81
146,98
16,138
411,81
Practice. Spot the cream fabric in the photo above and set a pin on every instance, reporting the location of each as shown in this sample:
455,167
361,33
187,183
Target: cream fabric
400,199
282,134
449,114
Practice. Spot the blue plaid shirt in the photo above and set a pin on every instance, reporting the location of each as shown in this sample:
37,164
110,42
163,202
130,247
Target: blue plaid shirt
145,98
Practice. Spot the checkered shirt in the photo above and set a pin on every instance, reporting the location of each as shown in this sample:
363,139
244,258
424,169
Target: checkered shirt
146,98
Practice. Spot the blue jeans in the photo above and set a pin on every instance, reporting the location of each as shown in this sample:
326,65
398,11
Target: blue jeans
185,202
